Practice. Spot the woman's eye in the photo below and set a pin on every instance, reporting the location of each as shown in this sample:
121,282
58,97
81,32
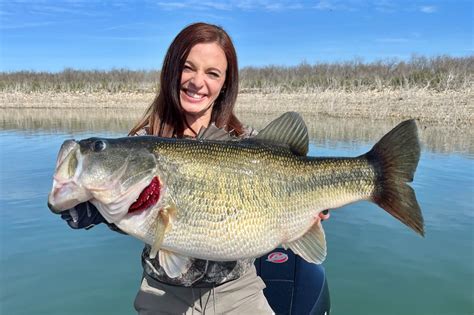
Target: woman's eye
214,74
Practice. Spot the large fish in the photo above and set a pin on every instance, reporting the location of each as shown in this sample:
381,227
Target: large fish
233,199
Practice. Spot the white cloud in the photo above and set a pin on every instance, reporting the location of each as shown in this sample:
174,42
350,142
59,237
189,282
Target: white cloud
385,6
172,5
128,26
4,26
275,5
267,5
393,40
326,5
127,38
428,9
217,5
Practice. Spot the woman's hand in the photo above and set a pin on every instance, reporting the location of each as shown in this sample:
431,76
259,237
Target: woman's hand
83,216
324,215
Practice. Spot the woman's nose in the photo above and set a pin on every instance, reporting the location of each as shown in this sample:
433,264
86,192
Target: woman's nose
197,79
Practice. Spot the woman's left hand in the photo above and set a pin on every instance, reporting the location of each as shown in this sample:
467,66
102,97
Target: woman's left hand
324,215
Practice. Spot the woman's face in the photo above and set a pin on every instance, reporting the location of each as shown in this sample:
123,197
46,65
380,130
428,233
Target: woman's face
202,79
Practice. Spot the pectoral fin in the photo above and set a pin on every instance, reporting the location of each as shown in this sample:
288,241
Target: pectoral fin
173,264
159,235
311,246
162,225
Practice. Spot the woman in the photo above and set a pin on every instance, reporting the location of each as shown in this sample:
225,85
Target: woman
198,86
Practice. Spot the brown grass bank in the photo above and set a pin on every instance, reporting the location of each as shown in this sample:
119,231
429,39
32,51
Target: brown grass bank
451,107
322,129
439,73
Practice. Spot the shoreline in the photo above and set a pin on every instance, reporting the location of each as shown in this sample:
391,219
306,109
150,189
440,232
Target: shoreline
427,106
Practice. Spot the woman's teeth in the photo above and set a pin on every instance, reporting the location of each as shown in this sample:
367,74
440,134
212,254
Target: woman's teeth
194,95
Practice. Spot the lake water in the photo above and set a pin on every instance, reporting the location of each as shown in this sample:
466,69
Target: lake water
375,264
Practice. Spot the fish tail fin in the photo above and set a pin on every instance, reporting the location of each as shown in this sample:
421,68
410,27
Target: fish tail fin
395,158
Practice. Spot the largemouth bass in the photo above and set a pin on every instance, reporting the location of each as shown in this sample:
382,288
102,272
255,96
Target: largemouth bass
236,198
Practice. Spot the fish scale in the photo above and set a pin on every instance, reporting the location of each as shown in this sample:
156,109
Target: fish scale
265,202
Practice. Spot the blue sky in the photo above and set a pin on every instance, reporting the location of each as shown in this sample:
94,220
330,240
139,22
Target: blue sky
47,35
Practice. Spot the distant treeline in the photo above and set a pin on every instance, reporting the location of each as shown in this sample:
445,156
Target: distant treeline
434,73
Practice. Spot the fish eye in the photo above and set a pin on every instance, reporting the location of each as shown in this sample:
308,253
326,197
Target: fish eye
98,145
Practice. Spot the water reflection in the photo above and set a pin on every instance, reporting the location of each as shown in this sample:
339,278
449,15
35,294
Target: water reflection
323,129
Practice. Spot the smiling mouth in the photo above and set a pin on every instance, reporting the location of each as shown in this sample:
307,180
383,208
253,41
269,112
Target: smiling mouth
147,198
194,96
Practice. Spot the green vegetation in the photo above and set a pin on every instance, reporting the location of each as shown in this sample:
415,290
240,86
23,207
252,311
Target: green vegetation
437,73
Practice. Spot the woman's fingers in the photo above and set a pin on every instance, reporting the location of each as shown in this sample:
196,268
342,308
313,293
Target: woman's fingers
324,215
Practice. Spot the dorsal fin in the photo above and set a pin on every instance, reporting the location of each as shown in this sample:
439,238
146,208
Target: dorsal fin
212,132
288,129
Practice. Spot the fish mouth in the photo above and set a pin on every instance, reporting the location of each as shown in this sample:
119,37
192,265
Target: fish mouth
148,197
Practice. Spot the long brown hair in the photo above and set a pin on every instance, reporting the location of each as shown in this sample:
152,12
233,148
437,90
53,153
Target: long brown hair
164,116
